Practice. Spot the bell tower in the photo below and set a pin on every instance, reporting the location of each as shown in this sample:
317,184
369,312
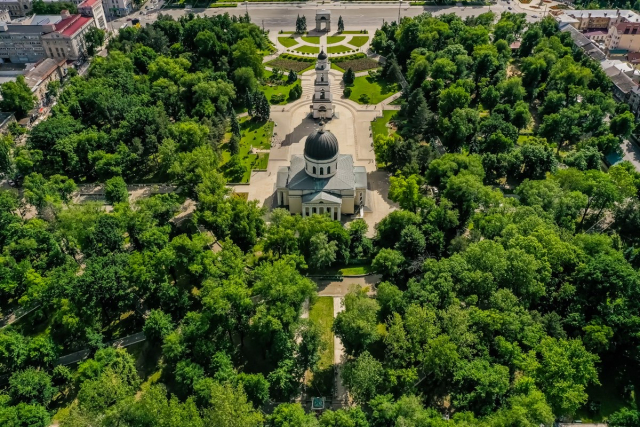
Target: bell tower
322,107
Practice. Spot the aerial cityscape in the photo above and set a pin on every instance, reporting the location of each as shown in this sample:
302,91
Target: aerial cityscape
319,213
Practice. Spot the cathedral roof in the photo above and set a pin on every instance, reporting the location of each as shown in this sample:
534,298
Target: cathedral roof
321,145
298,179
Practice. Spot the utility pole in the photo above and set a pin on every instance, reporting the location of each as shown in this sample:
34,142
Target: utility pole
263,25
246,6
399,6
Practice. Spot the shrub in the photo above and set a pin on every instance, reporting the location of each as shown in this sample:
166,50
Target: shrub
364,98
115,190
347,92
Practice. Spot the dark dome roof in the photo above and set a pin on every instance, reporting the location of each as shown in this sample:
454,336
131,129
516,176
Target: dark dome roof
321,145
322,55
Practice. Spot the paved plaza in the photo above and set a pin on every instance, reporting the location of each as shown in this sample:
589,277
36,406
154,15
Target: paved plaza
352,128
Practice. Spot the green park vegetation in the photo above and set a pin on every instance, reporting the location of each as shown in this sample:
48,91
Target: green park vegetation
354,32
493,309
357,270
379,125
321,313
278,89
338,49
307,49
311,39
335,39
254,135
358,41
287,41
376,89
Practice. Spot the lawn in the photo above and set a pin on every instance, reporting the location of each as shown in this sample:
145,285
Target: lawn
376,89
338,49
335,67
254,134
335,39
379,125
357,270
287,41
322,314
270,90
352,32
311,39
307,49
358,41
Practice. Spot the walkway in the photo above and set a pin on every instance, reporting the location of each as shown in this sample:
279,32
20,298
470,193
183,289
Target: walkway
340,394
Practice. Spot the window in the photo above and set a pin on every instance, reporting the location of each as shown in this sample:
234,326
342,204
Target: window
321,171
328,170
314,169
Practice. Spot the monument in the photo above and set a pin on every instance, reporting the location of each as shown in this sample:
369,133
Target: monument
323,16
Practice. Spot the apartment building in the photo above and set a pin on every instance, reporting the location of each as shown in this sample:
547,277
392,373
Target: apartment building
624,35
114,8
67,41
94,9
16,8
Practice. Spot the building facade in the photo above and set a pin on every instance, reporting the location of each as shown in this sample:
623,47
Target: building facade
16,8
43,73
113,8
322,107
94,9
322,181
67,41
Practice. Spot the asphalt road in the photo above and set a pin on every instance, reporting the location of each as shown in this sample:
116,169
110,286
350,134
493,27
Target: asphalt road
282,16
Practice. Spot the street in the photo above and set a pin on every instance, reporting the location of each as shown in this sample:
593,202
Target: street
356,16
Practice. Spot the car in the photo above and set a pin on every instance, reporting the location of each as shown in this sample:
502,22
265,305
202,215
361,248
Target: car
535,16
509,7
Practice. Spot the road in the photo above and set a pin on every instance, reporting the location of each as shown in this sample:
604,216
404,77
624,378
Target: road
356,16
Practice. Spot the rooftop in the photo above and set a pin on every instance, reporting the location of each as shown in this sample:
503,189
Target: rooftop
295,177
602,13
88,3
41,71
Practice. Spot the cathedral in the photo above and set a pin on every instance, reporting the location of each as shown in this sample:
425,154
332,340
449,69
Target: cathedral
322,181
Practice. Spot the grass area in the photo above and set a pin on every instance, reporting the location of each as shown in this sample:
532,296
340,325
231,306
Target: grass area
322,314
358,41
334,66
307,49
254,134
356,270
335,39
376,89
379,125
287,41
338,49
270,90
352,32
311,39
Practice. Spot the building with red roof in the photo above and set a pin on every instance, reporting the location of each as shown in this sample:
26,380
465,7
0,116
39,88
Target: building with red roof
94,9
67,39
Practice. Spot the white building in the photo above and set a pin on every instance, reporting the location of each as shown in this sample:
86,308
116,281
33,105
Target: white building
94,9
114,8
322,106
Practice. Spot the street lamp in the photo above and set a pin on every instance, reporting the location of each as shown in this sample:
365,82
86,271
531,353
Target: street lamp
399,6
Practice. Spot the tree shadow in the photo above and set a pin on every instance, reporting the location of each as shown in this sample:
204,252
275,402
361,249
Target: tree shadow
321,383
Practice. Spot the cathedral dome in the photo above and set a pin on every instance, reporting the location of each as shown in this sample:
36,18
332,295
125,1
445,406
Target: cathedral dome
322,55
321,145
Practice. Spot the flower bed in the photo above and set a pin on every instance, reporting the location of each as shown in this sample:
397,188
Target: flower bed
290,64
356,65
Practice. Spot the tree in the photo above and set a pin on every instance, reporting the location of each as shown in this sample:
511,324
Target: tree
340,24
94,38
357,325
406,192
17,97
31,386
323,252
624,417
295,92
622,125
349,77
347,92
115,190
290,415
388,263
364,377
262,107
301,24
234,149
157,326
235,125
